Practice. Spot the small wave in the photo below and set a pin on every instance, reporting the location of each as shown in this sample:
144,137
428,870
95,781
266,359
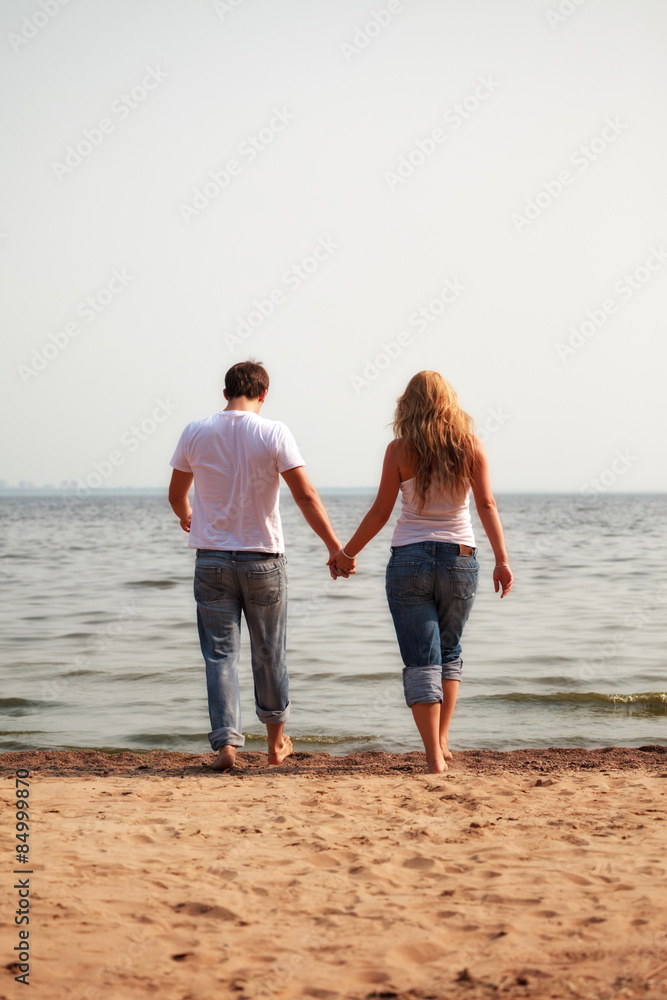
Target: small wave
165,741
199,743
161,584
20,745
380,675
9,703
118,677
584,696
23,732
647,702
316,738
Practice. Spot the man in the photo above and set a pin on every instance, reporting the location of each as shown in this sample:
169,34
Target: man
236,458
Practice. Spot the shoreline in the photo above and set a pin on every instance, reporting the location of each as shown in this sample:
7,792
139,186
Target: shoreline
652,758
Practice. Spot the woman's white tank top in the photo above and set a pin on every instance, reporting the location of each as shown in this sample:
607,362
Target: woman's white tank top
442,519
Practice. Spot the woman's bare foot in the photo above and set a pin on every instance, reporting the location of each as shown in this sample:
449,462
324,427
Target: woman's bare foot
436,764
225,760
444,746
279,750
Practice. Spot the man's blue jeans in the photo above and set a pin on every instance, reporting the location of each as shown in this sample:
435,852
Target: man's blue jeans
226,584
430,589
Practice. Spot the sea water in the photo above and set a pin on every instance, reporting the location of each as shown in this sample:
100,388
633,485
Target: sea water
99,641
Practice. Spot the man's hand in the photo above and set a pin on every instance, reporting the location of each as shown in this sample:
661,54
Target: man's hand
179,490
341,565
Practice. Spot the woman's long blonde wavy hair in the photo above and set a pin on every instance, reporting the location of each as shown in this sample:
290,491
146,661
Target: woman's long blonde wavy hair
429,419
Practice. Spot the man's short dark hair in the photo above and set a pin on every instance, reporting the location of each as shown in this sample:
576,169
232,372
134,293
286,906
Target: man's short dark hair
247,378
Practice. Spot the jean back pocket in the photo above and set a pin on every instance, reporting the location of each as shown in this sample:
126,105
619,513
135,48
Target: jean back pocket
265,586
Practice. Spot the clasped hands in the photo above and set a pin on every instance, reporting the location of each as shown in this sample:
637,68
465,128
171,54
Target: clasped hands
341,565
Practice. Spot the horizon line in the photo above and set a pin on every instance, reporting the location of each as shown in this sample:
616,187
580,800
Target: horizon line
48,490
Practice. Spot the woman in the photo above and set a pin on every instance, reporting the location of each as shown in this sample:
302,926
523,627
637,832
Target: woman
435,460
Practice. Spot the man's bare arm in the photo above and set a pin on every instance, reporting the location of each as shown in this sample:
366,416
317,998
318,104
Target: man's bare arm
308,501
179,489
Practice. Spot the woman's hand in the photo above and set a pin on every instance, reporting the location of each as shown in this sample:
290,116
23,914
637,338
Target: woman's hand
341,565
502,577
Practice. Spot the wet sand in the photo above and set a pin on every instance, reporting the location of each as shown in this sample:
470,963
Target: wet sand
537,873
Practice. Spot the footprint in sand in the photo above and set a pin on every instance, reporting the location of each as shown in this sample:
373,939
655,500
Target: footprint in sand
203,910
577,879
421,953
419,862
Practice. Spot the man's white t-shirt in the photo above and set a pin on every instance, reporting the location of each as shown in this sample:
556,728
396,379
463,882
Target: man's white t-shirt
236,457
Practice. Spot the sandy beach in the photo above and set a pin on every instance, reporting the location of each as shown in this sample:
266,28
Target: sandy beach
537,873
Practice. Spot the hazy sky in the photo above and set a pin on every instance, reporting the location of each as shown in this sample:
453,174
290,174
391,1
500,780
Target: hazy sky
349,192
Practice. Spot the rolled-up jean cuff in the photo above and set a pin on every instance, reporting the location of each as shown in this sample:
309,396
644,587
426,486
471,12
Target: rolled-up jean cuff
275,718
452,671
225,737
422,684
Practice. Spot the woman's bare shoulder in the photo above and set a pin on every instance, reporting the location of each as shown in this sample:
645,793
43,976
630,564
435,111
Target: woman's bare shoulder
403,455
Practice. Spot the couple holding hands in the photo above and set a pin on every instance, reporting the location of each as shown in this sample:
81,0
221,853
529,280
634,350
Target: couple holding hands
236,458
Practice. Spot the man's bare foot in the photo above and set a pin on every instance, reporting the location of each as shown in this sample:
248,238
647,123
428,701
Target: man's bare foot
279,751
225,760
444,746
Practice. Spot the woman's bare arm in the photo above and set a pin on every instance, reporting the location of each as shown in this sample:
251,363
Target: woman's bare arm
380,512
488,515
